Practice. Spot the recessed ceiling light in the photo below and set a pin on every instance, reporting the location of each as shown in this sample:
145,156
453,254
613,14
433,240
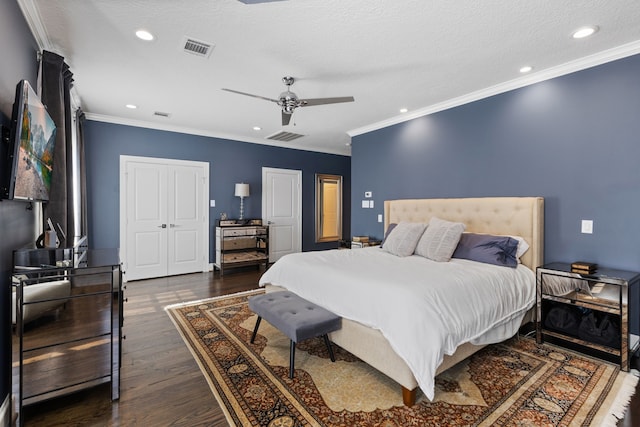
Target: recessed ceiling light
257,128
131,106
403,110
526,69
583,32
144,35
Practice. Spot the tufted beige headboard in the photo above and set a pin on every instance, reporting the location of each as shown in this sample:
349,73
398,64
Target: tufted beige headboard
519,216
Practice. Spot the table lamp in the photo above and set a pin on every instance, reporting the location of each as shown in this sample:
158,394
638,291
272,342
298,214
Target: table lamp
242,191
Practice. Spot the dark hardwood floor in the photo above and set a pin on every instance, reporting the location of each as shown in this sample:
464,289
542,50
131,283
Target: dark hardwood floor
161,384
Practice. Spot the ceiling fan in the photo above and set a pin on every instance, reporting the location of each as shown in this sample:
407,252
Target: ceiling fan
289,101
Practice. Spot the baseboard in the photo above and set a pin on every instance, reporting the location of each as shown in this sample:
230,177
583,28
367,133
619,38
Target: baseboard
5,411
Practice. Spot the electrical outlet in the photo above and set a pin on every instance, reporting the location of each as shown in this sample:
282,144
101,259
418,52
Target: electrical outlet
587,226
212,203
379,217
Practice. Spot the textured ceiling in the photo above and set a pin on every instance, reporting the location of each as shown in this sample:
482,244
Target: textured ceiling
389,54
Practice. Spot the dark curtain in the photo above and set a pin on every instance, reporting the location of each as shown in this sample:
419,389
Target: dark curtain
80,221
56,81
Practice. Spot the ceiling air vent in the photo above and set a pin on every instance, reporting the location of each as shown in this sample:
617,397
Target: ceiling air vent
197,47
284,136
161,114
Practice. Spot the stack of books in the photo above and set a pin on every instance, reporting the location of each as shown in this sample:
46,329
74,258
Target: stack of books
361,239
583,267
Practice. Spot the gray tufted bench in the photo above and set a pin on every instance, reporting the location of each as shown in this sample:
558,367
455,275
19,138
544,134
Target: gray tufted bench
295,317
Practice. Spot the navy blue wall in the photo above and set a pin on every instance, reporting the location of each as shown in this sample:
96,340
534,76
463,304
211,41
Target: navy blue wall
17,225
229,162
575,140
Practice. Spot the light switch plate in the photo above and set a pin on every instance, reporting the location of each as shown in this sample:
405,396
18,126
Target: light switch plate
379,217
365,204
587,226
212,203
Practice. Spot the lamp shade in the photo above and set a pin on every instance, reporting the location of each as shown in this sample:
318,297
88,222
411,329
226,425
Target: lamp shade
242,190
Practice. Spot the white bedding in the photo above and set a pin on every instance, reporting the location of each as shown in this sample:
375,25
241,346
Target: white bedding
425,309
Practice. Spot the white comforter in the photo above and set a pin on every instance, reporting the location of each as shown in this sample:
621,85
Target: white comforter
425,309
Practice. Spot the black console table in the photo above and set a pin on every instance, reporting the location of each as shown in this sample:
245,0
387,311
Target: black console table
68,318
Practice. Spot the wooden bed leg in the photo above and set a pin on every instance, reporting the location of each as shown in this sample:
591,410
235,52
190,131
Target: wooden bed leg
409,396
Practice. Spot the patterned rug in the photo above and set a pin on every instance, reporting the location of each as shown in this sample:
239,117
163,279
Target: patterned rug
516,383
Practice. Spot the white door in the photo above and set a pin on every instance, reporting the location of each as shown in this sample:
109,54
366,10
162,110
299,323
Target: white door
163,217
185,219
282,210
146,221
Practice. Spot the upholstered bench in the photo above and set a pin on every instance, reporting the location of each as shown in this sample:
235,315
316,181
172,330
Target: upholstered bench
295,317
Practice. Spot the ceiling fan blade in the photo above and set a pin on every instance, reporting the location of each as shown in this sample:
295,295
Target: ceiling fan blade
251,95
286,118
322,101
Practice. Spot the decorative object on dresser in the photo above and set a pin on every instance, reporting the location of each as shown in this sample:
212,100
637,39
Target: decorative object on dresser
241,243
363,242
583,267
590,312
242,191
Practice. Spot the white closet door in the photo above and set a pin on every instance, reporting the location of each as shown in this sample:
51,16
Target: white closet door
164,217
185,219
146,245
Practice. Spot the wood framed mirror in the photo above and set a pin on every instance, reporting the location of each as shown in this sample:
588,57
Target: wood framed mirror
328,208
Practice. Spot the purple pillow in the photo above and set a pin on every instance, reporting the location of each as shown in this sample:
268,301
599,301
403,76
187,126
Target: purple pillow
389,230
498,250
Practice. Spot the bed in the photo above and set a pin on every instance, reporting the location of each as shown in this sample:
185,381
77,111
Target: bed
388,331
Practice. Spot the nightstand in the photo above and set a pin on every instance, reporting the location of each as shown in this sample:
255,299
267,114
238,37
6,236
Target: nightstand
564,300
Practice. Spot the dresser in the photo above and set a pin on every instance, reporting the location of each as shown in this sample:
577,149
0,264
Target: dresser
67,309
241,243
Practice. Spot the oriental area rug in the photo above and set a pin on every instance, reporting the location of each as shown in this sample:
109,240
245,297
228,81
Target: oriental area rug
516,383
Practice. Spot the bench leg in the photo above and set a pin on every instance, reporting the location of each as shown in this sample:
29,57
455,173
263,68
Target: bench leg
328,344
255,329
292,357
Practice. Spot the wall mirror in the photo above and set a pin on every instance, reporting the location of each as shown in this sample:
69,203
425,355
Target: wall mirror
328,208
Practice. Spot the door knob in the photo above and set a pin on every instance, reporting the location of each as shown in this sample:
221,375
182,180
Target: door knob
162,226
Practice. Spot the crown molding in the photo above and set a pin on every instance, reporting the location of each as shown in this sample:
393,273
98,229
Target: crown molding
590,61
34,21
200,132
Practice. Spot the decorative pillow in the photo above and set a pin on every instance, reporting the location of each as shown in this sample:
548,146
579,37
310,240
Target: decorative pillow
402,240
498,250
440,239
523,246
386,234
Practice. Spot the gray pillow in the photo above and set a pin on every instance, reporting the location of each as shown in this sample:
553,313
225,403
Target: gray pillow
403,238
440,239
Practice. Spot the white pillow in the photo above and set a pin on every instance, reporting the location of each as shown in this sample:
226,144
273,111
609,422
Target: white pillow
403,238
440,239
523,246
